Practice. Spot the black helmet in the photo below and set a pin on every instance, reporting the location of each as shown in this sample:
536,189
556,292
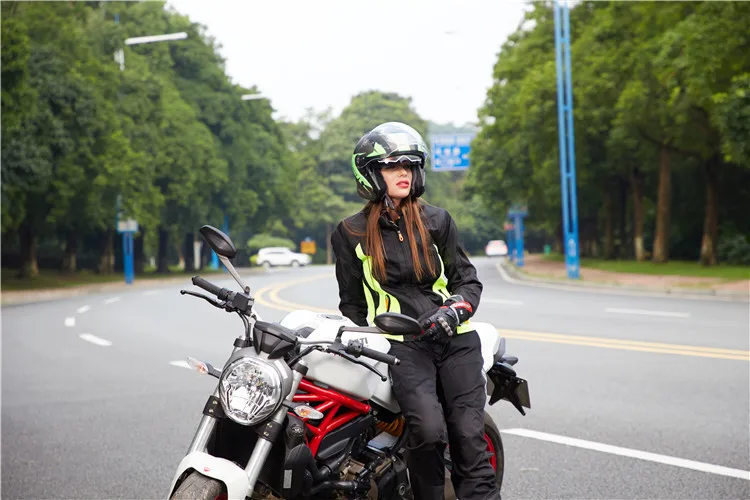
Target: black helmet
390,140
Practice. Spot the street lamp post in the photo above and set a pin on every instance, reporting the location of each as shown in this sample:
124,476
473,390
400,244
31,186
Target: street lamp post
129,227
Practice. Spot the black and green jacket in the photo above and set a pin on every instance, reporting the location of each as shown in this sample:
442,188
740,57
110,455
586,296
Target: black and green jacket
363,296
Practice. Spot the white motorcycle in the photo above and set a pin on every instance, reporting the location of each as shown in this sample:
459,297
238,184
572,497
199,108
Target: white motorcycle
304,409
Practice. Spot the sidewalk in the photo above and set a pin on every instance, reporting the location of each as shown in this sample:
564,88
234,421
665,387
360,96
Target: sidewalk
18,297
538,270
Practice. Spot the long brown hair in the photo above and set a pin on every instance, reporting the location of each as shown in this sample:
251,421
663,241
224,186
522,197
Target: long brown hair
411,211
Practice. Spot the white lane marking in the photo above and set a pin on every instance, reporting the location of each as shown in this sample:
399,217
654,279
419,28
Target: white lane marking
503,301
83,309
628,452
647,312
70,322
151,292
181,364
95,340
112,300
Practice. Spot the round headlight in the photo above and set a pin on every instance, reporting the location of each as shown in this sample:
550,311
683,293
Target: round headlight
250,390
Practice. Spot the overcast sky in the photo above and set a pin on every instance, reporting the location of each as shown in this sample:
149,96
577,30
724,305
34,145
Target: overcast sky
318,54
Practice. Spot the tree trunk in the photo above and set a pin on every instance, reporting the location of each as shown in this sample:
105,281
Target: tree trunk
71,251
189,252
661,242
637,188
623,241
329,248
29,264
107,254
609,225
162,266
711,221
139,257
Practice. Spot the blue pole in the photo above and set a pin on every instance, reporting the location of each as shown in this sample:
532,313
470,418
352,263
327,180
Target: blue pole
127,252
566,139
519,240
510,236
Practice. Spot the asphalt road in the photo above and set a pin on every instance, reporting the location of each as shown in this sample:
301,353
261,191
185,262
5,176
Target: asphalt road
632,396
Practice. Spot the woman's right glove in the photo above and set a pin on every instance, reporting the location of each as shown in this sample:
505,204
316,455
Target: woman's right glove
441,325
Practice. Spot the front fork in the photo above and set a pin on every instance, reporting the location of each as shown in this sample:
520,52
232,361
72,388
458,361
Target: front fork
266,437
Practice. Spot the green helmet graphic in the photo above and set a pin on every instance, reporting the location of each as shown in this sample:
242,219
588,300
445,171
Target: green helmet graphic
390,139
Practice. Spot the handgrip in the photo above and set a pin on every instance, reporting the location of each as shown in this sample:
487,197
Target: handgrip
356,348
207,286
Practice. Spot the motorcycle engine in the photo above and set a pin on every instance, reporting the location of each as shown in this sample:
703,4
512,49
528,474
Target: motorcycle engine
388,481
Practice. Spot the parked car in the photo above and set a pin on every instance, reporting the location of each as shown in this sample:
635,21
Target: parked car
280,256
495,248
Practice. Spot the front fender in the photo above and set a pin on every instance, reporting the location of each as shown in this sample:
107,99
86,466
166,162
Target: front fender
233,477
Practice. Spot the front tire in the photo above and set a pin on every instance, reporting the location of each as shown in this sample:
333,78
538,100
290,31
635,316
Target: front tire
199,487
295,263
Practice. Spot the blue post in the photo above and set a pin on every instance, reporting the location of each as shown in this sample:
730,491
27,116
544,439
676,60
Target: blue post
510,237
566,138
127,252
518,223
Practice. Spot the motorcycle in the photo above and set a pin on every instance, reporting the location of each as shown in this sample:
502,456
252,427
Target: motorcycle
303,408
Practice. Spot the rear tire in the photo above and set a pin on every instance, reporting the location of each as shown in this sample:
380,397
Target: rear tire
199,487
266,265
494,445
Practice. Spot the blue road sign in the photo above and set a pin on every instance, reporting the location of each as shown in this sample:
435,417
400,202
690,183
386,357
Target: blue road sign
450,151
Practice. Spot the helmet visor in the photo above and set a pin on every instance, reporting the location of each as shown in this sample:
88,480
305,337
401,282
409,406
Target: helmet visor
399,160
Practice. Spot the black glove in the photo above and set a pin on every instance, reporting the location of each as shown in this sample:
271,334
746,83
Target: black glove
441,325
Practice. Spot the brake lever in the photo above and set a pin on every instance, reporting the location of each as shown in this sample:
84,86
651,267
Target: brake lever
339,349
208,299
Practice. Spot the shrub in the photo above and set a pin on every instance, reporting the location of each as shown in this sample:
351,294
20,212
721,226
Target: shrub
735,250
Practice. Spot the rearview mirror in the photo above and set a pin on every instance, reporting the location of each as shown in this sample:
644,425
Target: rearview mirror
398,323
218,241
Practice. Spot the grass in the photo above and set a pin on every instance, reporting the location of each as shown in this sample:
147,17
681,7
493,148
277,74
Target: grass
47,278
672,268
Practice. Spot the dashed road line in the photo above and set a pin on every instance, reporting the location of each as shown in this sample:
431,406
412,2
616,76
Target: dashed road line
83,309
647,312
95,340
180,364
112,300
70,322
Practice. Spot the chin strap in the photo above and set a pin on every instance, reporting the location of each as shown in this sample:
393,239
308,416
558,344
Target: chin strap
389,202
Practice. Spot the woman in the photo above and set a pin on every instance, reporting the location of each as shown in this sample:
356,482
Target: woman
403,256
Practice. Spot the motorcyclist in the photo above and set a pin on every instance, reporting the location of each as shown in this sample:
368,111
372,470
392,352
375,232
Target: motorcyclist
400,254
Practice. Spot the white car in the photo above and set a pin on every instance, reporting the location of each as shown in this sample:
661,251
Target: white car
495,248
280,256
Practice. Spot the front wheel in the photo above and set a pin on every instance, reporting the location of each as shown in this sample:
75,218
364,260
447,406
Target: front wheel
199,487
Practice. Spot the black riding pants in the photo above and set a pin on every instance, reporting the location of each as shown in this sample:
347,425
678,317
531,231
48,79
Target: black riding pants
439,387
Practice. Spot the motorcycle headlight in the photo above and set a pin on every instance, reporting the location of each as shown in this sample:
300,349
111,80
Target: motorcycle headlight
250,390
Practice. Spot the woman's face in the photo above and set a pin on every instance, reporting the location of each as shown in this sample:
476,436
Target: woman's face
397,178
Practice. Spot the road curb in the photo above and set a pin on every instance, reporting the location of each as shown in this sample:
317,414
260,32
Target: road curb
25,297
513,275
